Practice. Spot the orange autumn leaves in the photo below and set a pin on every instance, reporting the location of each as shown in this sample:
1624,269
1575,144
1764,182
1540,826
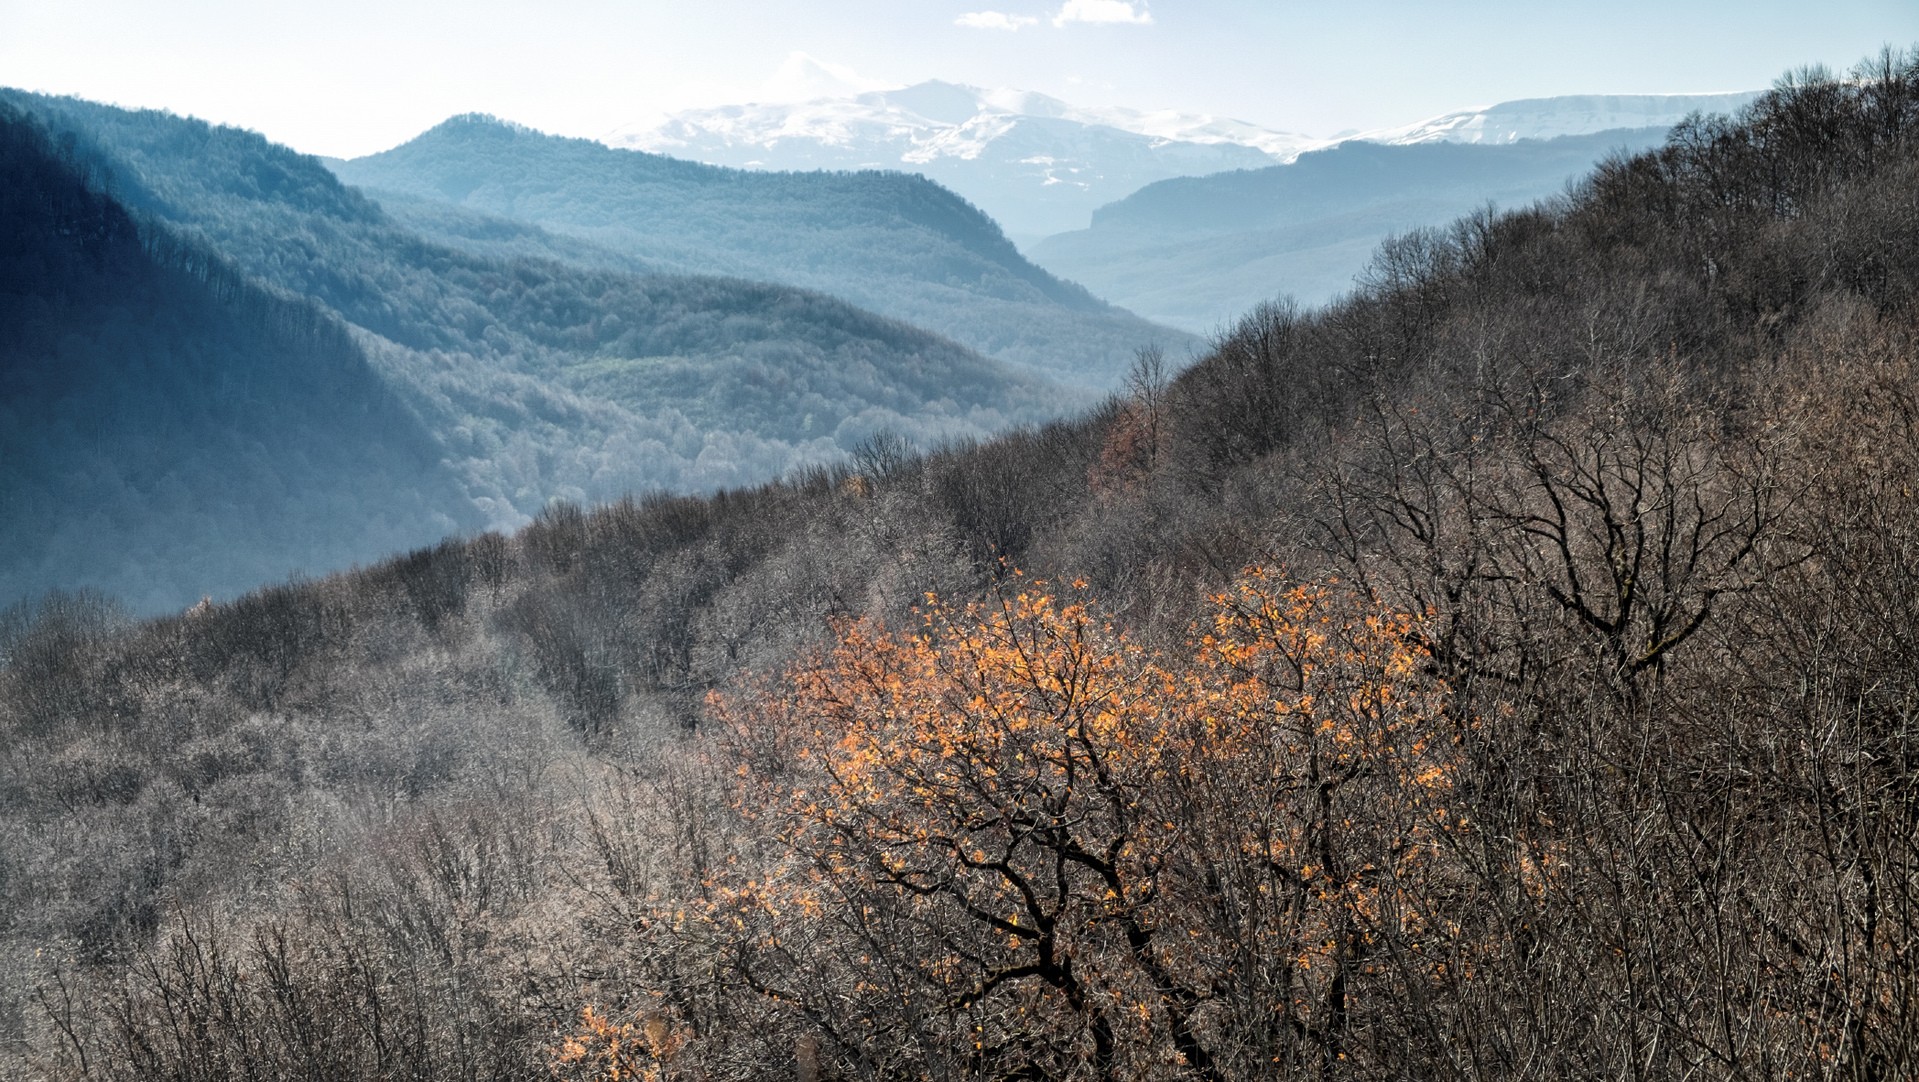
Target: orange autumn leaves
603,1049
1065,831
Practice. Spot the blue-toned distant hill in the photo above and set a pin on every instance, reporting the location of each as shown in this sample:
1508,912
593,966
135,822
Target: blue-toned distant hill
891,242
1197,252
169,429
535,366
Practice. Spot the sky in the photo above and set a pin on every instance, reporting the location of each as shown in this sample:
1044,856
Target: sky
350,77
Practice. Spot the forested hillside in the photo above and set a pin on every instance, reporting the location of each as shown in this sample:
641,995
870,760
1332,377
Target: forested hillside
891,242
1507,672
538,367
1197,252
169,429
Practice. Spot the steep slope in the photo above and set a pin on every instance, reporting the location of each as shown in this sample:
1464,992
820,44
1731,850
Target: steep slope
545,366
168,429
1197,251
897,244
1036,164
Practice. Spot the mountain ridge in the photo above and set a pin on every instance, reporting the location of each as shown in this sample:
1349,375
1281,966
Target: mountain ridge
1561,115
1043,166
541,367
895,243
1196,251
1036,163
171,429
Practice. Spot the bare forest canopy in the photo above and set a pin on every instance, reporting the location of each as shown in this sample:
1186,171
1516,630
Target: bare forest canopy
1508,672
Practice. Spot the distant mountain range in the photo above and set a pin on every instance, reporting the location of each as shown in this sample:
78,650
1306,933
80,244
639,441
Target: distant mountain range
1041,166
1553,118
1198,252
219,364
1035,163
890,242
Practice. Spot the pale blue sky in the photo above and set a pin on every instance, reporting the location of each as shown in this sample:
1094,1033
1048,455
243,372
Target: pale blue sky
348,77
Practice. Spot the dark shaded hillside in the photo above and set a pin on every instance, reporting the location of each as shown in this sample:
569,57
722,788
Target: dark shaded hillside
547,367
1507,672
890,242
170,430
1197,251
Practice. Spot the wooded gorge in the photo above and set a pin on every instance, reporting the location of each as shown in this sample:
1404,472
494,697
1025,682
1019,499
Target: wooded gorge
1506,672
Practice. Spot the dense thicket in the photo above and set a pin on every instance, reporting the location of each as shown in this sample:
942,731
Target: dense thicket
1563,729
893,243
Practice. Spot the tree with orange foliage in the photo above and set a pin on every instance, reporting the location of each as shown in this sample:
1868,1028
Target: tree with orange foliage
1021,845
603,1049
1324,821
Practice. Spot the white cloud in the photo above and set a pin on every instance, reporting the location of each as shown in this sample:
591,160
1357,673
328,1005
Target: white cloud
994,20
803,78
1103,11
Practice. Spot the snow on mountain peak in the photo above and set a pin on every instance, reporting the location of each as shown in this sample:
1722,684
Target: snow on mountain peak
928,112
1041,165
1548,118
1036,163
944,103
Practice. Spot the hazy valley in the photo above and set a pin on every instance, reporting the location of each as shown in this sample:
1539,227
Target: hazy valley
538,367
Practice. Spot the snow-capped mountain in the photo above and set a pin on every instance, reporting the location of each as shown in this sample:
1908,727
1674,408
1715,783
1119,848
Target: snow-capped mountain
1040,166
1036,164
1549,118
